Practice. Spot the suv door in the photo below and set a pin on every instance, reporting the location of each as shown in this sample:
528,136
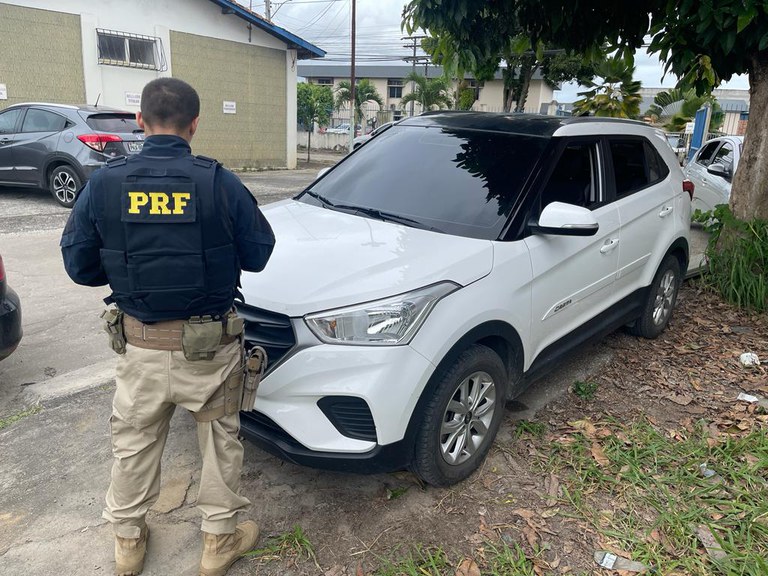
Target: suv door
645,199
704,195
35,142
9,120
573,276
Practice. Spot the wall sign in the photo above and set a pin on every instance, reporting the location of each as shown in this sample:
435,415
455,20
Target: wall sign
133,98
3,92
230,107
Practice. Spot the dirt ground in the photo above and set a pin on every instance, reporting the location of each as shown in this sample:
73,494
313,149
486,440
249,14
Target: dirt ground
357,524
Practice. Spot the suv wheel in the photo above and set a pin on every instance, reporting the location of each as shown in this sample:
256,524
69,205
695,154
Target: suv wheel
461,419
64,184
661,300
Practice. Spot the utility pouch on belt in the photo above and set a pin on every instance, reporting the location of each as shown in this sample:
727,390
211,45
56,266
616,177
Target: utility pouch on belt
113,326
200,337
255,364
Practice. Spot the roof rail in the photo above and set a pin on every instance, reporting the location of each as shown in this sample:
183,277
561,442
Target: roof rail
44,104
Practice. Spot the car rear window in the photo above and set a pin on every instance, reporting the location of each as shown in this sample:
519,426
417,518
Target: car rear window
636,165
113,122
462,182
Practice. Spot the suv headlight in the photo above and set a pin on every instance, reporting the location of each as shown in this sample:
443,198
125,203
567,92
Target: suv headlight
386,322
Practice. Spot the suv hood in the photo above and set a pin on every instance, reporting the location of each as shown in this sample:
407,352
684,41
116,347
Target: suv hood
325,259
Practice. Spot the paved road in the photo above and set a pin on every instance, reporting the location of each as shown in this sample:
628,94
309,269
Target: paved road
62,330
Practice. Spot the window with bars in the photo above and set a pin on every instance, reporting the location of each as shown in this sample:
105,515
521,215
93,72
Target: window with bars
324,81
131,50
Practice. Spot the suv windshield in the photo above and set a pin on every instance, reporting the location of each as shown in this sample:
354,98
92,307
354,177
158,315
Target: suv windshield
461,182
125,123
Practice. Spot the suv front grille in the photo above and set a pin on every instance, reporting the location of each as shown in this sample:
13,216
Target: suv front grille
270,330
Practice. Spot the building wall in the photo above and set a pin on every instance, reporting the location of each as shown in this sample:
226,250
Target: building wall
255,79
56,59
55,42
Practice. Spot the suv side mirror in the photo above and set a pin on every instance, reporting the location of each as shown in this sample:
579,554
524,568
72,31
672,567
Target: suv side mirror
562,219
719,169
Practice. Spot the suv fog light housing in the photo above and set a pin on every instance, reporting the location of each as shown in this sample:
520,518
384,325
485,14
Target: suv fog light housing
386,322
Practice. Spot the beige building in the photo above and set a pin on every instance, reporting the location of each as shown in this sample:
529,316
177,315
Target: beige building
390,83
105,51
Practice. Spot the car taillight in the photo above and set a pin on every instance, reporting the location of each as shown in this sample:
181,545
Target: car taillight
98,141
688,187
2,270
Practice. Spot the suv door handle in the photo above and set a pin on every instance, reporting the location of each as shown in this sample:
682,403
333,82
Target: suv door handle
665,211
609,245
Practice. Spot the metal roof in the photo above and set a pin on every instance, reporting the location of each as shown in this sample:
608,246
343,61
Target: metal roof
318,69
304,49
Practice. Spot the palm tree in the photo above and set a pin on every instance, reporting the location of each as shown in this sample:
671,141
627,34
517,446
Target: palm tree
618,95
365,91
675,108
429,92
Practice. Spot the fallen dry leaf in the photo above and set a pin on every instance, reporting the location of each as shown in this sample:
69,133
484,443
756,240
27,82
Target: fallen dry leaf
705,536
599,455
468,567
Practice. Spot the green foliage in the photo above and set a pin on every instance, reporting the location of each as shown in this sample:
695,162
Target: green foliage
677,107
314,104
703,42
365,91
465,99
738,257
617,96
429,92
584,390
291,544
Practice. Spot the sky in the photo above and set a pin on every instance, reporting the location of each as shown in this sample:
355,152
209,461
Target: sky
326,23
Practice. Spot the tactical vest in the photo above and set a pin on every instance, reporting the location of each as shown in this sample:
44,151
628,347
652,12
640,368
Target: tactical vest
167,237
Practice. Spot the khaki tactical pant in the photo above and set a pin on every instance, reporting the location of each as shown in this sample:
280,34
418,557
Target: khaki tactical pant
150,384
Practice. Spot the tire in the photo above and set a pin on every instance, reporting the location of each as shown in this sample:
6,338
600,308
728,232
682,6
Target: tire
442,455
64,183
662,296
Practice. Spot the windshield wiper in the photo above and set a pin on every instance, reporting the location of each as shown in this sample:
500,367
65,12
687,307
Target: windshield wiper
372,212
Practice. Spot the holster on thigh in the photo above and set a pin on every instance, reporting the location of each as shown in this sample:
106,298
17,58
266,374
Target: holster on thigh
226,400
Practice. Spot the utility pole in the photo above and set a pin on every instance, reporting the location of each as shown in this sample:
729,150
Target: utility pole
352,85
268,9
413,59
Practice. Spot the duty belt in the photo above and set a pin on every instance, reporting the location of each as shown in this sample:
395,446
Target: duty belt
159,335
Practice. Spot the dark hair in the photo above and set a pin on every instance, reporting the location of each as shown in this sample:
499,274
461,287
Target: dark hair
169,102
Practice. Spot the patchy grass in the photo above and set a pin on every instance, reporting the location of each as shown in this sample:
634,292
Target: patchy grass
13,418
419,562
530,428
645,492
584,390
293,544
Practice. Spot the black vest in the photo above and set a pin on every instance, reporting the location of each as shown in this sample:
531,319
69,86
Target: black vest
168,242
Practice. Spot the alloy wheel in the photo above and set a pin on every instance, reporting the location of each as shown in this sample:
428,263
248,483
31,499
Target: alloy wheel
665,297
64,186
467,418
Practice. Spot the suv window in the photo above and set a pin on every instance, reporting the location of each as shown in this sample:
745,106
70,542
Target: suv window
462,182
705,156
636,165
724,155
8,120
125,123
42,121
575,178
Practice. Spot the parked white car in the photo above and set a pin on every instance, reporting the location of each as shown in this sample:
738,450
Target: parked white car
363,138
436,272
711,170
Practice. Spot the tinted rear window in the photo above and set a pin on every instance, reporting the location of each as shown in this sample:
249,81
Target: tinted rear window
462,182
113,122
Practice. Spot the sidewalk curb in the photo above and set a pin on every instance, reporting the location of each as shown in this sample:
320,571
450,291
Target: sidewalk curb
72,382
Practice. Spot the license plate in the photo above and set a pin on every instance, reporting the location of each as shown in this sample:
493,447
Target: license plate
135,146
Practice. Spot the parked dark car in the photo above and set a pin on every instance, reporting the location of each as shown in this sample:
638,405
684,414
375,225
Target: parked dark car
10,316
57,147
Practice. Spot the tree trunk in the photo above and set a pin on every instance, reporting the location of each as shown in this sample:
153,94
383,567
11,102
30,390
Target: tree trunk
526,73
509,79
749,194
309,139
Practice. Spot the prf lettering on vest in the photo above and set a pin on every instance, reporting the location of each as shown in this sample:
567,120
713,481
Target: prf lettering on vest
158,202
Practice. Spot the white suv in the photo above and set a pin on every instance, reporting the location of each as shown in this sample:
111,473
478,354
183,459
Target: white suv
433,274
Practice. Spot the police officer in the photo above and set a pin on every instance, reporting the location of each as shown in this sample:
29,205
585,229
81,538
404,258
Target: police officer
170,232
